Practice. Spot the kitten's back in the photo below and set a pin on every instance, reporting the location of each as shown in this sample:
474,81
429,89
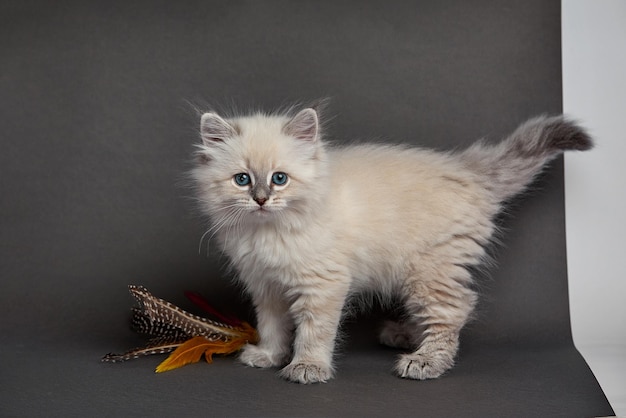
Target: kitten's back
391,196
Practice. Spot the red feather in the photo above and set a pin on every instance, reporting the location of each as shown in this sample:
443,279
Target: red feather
203,304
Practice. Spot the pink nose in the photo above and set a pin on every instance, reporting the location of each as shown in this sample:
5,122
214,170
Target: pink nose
260,200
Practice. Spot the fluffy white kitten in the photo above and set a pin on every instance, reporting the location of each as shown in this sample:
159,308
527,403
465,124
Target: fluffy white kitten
307,226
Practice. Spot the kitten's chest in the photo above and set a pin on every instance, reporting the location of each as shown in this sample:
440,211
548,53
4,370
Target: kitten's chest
271,252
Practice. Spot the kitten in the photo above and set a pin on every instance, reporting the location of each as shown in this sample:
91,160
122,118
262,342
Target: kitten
307,226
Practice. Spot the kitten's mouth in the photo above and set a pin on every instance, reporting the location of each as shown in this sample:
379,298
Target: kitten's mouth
263,214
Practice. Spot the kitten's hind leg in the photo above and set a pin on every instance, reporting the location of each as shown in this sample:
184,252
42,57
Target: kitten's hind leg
442,304
394,334
399,334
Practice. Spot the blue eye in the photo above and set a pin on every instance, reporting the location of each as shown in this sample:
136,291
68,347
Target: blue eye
242,179
279,178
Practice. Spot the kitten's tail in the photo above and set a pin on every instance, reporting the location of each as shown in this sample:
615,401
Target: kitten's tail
510,166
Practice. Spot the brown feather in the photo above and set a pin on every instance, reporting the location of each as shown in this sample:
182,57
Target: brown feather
161,311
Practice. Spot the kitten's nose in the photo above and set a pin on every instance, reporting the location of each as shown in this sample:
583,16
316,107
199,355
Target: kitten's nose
260,200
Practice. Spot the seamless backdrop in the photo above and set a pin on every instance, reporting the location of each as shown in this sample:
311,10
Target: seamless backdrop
98,104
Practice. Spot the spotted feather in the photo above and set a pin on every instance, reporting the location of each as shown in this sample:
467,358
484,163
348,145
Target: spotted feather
169,327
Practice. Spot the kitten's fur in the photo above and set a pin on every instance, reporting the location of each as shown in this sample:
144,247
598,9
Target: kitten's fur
405,223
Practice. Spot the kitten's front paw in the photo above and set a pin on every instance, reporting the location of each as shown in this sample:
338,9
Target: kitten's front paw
422,366
307,373
255,356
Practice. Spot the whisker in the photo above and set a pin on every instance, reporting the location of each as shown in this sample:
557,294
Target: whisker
201,240
219,224
234,225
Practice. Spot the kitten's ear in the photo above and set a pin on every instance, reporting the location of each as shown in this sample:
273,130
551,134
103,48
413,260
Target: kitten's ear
303,126
215,129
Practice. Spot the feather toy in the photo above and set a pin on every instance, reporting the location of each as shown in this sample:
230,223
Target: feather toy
186,336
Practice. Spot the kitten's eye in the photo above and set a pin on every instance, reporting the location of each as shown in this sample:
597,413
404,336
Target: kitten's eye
242,179
279,178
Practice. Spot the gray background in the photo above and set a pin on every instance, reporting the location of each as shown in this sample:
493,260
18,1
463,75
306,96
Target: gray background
97,129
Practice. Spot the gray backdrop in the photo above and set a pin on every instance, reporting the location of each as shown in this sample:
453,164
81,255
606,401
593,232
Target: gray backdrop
98,104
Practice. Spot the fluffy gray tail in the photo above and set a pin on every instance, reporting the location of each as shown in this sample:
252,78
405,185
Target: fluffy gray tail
510,166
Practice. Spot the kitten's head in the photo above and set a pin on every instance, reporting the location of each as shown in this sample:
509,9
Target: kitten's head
260,169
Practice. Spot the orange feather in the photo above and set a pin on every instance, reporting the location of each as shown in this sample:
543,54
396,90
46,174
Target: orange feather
192,350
